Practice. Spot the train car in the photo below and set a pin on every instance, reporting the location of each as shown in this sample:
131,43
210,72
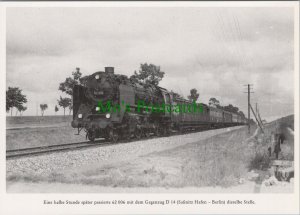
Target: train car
215,115
189,115
244,120
240,119
227,117
234,118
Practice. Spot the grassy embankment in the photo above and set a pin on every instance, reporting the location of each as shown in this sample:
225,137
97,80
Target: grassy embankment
31,131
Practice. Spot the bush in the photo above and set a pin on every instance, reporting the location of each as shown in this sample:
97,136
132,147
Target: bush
261,161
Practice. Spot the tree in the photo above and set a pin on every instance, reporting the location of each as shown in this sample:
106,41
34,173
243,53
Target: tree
252,122
14,98
64,103
214,102
21,109
70,82
241,114
231,108
67,87
176,95
56,109
193,95
148,74
43,108
70,107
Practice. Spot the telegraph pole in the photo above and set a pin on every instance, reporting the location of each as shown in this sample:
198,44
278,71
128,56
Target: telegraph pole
248,91
256,109
37,109
258,115
249,108
257,120
255,114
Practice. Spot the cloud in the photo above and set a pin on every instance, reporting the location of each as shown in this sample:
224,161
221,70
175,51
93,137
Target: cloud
216,50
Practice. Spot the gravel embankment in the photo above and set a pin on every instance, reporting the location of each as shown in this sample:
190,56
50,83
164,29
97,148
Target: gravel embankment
46,164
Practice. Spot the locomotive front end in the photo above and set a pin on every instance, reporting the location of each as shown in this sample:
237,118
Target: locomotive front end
98,88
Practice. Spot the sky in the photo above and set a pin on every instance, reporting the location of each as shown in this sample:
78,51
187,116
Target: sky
215,50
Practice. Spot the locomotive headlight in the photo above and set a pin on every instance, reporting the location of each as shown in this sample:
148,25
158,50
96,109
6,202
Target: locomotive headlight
80,116
97,108
97,76
107,115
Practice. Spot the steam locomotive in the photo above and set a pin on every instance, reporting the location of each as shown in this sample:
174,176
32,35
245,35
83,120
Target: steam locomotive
123,112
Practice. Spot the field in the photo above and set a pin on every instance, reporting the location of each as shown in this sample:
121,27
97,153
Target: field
37,121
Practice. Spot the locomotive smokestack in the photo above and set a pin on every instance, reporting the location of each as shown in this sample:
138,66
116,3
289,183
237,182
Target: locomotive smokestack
109,70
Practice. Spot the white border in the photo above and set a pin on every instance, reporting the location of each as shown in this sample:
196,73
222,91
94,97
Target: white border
32,203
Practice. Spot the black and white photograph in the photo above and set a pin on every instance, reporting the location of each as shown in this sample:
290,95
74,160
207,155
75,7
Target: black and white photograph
151,99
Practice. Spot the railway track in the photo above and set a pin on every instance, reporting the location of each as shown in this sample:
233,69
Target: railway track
32,151
15,153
